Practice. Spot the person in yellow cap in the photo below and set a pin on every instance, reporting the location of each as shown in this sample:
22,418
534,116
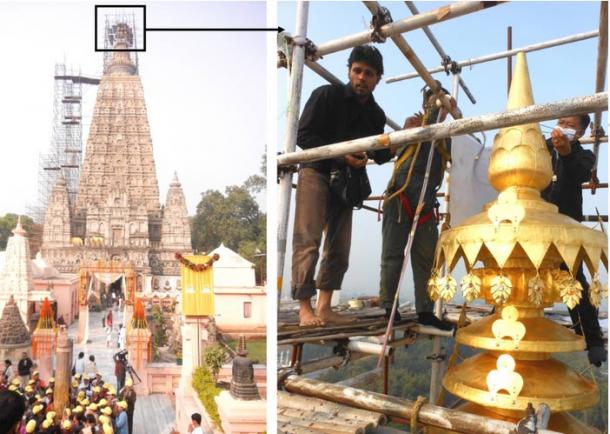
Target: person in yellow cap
107,411
128,394
103,402
78,409
66,427
92,407
121,421
45,426
30,426
51,415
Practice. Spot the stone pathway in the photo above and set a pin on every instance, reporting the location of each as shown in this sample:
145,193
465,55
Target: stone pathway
155,414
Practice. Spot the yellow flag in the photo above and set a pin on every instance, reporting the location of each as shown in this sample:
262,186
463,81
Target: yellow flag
197,288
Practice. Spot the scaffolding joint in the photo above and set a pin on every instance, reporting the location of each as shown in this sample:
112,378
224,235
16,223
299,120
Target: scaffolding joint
378,20
441,357
283,375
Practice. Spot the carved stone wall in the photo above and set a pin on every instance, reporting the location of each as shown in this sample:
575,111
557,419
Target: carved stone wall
56,232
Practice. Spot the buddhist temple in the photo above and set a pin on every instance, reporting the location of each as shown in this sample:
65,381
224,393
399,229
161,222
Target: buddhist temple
116,212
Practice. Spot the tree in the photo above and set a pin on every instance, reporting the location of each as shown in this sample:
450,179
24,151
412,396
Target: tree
214,357
8,223
233,218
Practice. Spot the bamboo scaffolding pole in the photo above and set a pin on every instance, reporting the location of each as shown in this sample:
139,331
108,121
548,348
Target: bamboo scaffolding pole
502,54
414,60
290,138
439,49
533,113
591,140
331,78
600,74
434,16
429,415
290,400
438,362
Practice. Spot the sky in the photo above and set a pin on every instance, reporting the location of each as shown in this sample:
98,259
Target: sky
556,73
205,91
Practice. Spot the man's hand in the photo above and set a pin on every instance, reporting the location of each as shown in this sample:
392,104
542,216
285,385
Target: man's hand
414,121
560,143
356,161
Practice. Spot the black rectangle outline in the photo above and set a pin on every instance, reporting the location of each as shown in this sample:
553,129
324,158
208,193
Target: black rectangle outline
112,50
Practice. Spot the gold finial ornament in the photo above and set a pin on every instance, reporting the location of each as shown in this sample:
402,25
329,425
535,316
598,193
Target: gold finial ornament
471,287
447,287
515,247
535,290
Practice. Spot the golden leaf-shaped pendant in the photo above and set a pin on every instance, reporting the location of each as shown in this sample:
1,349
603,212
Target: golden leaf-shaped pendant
595,293
471,287
433,286
447,287
501,288
571,291
535,289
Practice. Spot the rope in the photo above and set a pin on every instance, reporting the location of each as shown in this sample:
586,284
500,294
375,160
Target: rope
421,400
408,153
455,354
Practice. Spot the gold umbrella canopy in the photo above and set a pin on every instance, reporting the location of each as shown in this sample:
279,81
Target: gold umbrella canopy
519,230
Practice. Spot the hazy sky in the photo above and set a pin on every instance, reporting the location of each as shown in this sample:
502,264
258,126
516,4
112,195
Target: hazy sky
556,73
205,92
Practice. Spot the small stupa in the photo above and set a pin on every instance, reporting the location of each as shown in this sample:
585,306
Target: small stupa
14,336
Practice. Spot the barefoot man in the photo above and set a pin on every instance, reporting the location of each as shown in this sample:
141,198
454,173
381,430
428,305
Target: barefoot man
333,113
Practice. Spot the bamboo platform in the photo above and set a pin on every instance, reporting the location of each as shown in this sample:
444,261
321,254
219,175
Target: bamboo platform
370,321
300,414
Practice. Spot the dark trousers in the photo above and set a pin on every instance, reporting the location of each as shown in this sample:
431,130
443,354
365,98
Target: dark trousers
317,212
130,421
395,231
585,315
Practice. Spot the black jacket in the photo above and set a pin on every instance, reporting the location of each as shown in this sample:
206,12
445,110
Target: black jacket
334,114
570,172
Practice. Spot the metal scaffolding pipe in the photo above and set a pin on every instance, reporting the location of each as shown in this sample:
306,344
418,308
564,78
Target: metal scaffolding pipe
440,50
408,52
502,54
591,140
533,113
290,138
367,347
602,63
331,78
434,16
429,415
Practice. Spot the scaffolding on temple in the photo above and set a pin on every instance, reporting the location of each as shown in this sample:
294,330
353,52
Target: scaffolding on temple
65,151
112,25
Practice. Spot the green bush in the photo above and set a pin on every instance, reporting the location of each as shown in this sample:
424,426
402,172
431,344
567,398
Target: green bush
205,386
214,357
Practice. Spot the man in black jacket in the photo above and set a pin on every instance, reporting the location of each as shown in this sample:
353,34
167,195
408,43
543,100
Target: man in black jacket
24,368
571,167
333,113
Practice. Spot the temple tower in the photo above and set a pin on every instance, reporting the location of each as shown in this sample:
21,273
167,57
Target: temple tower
175,229
16,275
116,212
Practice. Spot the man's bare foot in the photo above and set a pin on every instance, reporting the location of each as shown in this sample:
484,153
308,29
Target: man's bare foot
310,320
328,316
307,317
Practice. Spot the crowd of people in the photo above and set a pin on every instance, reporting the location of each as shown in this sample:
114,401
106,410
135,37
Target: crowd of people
95,406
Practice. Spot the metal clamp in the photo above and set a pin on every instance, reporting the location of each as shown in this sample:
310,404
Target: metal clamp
450,66
380,19
437,357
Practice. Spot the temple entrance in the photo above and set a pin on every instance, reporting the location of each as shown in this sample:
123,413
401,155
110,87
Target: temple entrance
105,284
